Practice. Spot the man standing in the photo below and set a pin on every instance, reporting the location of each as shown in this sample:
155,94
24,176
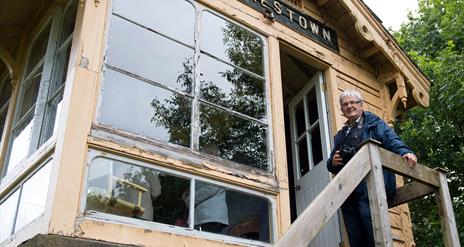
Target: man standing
362,125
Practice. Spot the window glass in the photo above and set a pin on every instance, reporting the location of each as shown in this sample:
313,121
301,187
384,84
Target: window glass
123,189
33,197
154,112
229,212
232,88
303,156
174,18
38,49
312,106
148,58
5,94
150,55
68,22
231,43
21,140
316,145
7,215
31,92
53,112
232,137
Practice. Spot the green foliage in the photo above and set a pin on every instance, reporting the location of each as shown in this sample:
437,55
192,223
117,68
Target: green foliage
435,41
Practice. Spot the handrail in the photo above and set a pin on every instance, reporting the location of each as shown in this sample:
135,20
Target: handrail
367,163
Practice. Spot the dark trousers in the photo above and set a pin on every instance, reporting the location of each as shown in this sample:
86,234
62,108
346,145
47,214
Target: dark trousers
358,223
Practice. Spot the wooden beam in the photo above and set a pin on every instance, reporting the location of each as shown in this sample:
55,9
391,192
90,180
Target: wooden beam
399,165
378,199
325,205
411,191
370,51
445,210
321,2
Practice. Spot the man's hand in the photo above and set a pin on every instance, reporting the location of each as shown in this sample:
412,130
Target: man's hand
411,159
337,159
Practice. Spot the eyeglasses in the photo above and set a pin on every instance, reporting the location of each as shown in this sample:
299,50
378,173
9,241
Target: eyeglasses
346,104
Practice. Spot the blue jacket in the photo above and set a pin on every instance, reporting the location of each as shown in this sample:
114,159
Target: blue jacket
375,128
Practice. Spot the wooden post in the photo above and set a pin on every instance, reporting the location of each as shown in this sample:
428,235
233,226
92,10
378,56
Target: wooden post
378,199
325,205
445,211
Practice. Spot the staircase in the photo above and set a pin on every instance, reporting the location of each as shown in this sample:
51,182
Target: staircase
367,163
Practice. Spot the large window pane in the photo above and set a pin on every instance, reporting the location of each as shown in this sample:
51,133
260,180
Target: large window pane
33,197
31,92
150,55
174,18
147,110
7,215
231,43
230,212
232,88
124,189
232,137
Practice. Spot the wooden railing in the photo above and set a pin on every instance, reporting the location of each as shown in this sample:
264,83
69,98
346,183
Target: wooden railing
367,163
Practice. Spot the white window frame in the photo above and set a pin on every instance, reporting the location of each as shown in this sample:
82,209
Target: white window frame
36,145
115,219
48,161
195,95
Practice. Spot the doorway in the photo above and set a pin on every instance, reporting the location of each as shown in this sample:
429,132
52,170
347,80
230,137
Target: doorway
307,136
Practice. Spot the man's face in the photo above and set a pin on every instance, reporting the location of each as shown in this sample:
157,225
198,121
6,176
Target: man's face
351,108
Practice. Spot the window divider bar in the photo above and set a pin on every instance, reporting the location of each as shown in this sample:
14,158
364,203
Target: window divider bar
234,112
151,30
191,207
151,82
235,66
196,89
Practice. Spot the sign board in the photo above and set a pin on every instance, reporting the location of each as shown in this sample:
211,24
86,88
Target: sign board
296,20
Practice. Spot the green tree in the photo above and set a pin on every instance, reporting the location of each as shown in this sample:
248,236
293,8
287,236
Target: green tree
434,39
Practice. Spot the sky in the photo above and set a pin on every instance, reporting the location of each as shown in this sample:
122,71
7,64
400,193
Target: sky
392,12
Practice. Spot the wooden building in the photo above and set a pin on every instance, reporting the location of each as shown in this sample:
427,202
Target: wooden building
116,115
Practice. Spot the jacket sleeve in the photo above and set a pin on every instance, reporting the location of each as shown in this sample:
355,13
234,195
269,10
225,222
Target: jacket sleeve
330,167
390,140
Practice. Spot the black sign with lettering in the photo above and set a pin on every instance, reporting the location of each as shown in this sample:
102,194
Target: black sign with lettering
296,20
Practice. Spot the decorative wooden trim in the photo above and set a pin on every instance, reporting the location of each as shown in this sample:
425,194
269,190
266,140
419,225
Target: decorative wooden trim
372,30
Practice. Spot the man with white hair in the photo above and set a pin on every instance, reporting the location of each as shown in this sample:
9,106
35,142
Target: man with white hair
362,125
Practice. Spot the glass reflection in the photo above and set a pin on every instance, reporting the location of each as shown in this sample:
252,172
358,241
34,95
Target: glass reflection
233,138
232,88
128,190
300,118
150,55
7,215
231,43
33,197
229,212
174,18
154,112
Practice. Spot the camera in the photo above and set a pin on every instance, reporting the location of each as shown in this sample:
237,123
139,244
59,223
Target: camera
347,152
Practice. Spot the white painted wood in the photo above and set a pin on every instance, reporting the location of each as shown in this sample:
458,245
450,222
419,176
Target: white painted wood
309,185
